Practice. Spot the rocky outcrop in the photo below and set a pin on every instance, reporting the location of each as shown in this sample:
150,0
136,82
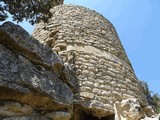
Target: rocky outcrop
130,109
32,77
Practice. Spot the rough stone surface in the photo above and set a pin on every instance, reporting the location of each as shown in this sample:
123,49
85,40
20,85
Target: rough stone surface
20,42
59,115
128,109
31,76
31,117
149,111
8,108
157,117
89,44
95,82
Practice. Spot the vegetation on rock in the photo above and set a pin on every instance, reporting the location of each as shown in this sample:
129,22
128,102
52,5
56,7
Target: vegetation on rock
153,98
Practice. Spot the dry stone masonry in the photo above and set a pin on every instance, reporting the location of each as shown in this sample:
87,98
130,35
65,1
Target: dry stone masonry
74,68
89,44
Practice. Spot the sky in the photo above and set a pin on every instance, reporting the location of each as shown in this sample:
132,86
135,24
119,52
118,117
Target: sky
138,25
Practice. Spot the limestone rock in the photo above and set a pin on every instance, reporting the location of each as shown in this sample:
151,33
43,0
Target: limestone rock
149,111
68,77
27,75
128,109
32,117
8,108
59,115
19,41
152,118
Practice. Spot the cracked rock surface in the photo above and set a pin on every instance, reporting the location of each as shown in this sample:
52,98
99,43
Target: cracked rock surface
29,77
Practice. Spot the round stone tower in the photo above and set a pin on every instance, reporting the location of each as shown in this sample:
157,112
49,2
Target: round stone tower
89,44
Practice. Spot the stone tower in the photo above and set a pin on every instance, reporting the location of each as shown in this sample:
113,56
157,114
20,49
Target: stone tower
89,44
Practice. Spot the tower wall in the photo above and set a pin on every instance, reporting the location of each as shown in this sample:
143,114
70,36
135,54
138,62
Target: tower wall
89,44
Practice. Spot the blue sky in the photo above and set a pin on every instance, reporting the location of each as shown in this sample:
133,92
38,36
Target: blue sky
138,25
